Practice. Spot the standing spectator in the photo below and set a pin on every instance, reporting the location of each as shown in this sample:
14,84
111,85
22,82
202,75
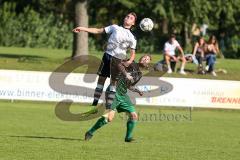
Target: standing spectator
203,29
198,52
212,50
196,32
169,54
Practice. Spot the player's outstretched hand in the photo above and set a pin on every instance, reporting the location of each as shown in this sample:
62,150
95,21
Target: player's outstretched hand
76,30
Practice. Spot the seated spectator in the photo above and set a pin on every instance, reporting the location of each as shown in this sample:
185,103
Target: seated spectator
169,54
211,51
198,52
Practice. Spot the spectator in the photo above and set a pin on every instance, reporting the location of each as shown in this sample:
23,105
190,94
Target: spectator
169,54
211,51
198,52
196,32
203,29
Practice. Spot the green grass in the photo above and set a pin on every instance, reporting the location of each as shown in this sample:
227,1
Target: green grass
30,130
49,59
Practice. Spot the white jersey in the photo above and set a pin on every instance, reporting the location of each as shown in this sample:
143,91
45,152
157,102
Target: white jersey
170,48
119,41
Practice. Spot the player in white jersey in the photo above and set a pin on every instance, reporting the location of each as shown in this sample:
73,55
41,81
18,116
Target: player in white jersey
169,53
120,40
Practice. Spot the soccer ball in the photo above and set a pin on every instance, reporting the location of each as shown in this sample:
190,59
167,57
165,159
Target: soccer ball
146,24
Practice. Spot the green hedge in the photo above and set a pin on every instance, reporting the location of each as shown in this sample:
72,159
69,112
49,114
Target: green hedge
29,29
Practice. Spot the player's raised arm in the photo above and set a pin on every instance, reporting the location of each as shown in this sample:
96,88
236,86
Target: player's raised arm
89,30
135,89
132,57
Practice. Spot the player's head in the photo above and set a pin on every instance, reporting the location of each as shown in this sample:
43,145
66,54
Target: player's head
172,37
130,20
145,60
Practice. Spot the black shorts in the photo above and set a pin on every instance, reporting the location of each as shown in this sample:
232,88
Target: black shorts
104,68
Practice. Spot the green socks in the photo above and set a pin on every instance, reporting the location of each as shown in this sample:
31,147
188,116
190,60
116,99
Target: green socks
130,126
101,122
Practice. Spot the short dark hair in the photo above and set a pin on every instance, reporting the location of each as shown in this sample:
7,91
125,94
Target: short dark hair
172,36
134,15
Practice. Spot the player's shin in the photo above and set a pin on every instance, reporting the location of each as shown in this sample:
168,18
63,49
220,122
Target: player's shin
131,123
97,94
101,122
110,95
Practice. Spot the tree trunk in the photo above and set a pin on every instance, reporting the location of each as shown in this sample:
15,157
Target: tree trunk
80,41
221,29
165,26
186,35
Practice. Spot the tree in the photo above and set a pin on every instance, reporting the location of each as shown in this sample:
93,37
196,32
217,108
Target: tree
80,42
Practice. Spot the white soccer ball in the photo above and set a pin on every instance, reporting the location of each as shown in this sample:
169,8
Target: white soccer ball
146,24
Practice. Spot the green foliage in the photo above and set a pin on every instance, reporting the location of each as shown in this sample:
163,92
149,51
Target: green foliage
48,23
30,29
233,46
145,46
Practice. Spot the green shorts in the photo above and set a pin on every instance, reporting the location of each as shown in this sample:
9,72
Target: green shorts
122,103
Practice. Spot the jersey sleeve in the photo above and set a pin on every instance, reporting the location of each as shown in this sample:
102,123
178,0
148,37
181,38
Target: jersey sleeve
176,43
109,29
133,45
165,49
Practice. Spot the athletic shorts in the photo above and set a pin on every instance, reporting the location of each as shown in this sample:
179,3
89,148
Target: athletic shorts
104,68
122,103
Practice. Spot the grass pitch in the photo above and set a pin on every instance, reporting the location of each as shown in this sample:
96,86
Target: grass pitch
30,130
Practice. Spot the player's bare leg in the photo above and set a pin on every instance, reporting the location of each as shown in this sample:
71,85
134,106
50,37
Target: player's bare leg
167,59
108,117
183,62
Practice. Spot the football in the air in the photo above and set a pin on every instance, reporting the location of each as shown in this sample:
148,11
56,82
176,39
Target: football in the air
146,24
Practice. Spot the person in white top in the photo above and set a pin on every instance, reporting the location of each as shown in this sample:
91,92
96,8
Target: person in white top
169,54
120,40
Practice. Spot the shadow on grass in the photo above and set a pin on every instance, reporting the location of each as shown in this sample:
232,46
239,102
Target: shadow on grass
5,55
23,58
42,137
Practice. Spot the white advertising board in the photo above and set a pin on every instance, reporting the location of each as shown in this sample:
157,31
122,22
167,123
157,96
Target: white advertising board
183,92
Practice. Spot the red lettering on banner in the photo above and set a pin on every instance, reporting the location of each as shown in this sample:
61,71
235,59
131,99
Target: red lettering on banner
214,99
225,100
229,100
